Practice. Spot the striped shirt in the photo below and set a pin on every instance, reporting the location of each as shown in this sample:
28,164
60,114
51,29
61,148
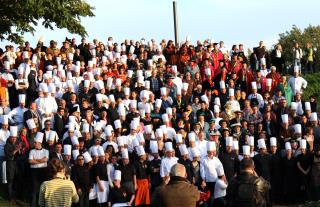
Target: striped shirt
57,193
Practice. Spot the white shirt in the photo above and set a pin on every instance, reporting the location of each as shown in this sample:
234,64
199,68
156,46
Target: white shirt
4,110
4,135
46,104
166,165
38,154
220,189
209,168
297,83
235,106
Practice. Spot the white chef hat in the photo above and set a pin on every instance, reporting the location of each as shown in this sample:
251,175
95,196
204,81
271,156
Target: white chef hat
154,146
140,150
147,84
307,106
254,85
217,101
235,145
294,106
38,137
183,149
164,129
67,149
246,150
216,109
118,82
133,104
163,91
100,151
229,141
165,117
262,144
205,99
158,103
120,141
52,135
117,124
195,152
297,128
169,111
87,157
147,108
126,91
75,154
231,92
303,144
31,124
22,98
25,55
117,175
168,146
111,98
130,73
284,118
251,140
273,141
148,128
85,128
124,154
192,137
314,116
222,84
269,82
74,140
13,131
185,86
208,71
94,151
288,146
159,132
211,146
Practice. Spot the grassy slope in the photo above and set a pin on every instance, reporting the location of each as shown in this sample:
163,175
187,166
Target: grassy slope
313,87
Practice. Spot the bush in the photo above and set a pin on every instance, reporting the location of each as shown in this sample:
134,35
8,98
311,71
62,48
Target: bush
313,87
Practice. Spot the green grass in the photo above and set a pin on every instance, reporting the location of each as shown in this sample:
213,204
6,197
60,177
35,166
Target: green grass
313,87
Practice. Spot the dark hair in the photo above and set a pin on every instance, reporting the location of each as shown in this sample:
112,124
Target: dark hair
246,164
55,166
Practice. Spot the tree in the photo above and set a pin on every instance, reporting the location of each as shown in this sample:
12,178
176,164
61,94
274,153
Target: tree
20,16
287,39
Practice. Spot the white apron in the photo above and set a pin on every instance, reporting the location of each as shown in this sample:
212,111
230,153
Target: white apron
102,197
93,193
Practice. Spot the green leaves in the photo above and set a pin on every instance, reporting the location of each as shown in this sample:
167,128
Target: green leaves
289,38
18,17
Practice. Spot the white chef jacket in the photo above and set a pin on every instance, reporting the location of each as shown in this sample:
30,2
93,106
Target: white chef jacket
220,189
4,135
209,169
258,97
166,165
202,147
38,154
297,83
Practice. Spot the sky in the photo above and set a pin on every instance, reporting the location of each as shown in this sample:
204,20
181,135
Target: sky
233,21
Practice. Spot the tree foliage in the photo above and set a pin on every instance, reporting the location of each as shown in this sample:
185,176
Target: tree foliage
287,39
20,16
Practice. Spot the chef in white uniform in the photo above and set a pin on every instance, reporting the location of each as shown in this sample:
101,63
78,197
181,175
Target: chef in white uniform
16,115
297,83
168,161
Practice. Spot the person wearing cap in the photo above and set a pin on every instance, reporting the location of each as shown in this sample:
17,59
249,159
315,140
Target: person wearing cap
119,195
80,175
101,177
263,161
12,150
290,176
154,166
186,162
178,192
297,83
38,158
304,168
168,161
209,168
229,159
275,173
128,172
142,196
16,115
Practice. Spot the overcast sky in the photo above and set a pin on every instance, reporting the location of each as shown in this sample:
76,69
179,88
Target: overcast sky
234,21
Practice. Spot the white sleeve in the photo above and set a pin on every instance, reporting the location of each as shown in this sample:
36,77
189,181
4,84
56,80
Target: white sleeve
46,153
304,83
31,155
162,169
202,171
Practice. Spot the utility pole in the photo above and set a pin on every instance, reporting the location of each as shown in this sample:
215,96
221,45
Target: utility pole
175,22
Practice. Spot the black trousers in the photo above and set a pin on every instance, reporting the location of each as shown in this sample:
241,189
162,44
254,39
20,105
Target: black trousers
37,177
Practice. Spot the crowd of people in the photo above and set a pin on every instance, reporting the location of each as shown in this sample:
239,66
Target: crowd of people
110,120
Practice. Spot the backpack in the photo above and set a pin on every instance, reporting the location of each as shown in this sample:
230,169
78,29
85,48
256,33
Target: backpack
246,192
